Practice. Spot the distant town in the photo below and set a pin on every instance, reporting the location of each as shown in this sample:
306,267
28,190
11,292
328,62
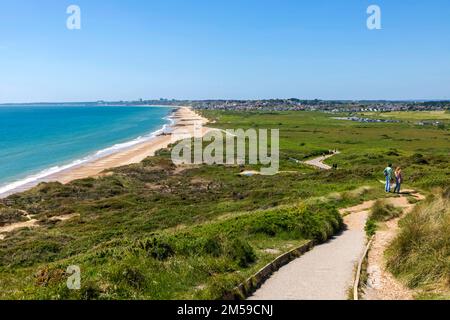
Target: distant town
298,105
294,104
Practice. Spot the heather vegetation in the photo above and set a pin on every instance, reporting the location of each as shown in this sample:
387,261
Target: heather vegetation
155,231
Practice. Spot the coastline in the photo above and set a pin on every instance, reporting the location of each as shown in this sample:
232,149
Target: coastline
183,117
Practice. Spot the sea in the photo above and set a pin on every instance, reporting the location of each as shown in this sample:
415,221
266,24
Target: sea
40,140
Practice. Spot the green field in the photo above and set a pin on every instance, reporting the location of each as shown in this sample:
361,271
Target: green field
366,147
411,115
153,231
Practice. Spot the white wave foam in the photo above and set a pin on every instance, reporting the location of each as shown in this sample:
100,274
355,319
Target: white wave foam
34,179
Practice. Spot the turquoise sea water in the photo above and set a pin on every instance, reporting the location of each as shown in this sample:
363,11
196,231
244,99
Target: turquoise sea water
36,140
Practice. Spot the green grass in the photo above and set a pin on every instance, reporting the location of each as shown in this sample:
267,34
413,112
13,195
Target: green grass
149,231
203,261
203,218
366,148
420,255
381,211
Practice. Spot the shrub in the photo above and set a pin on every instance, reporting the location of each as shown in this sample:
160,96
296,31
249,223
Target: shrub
8,216
89,291
393,152
156,248
382,211
212,247
241,252
371,227
133,277
47,276
418,158
307,222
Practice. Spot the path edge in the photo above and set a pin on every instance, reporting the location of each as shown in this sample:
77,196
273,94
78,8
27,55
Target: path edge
358,272
249,286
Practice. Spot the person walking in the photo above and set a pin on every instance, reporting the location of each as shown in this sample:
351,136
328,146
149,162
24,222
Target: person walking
388,174
398,180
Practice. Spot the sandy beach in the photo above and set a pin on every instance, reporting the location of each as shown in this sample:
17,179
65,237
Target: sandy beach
184,118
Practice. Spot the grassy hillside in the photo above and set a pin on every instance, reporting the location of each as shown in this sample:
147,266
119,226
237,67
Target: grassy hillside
154,231
420,255
177,234
182,263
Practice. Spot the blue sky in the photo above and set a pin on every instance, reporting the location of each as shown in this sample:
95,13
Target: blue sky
242,49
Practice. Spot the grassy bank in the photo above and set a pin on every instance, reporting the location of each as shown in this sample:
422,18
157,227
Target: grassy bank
420,255
381,211
201,261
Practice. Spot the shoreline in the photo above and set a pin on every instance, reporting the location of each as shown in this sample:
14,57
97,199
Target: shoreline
182,117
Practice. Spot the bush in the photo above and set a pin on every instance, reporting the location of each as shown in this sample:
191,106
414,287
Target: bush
133,277
90,291
241,252
156,248
47,276
382,211
371,227
212,247
8,216
418,158
307,222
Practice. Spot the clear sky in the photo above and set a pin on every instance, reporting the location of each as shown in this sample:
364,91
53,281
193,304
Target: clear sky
242,49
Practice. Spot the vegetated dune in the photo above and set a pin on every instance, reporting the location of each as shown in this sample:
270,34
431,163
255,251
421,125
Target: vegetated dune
420,255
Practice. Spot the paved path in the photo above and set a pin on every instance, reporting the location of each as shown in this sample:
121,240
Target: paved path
318,162
325,273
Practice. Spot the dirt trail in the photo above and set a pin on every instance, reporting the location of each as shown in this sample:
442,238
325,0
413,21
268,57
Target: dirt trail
327,271
14,226
31,223
381,284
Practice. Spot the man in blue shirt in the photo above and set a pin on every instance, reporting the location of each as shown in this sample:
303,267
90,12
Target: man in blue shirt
388,174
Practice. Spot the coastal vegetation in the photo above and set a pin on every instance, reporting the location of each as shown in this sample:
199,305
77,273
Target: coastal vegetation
420,254
381,211
156,231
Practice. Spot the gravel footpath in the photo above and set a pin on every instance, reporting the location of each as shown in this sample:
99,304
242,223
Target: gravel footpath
325,273
318,162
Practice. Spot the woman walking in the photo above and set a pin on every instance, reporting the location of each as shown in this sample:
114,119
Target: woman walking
398,180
